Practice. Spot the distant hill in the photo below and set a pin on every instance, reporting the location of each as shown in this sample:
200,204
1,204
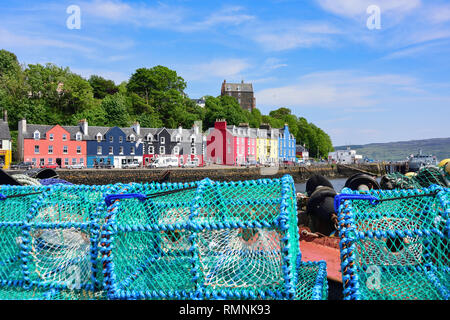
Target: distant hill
396,151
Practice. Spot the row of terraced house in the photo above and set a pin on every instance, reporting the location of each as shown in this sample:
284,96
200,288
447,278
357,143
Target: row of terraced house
92,146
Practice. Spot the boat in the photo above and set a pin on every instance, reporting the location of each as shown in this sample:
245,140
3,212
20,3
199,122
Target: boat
420,160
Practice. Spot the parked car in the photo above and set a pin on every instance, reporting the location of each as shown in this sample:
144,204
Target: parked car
191,164
50,166
76,166
22,166
132,165
164,162
103,166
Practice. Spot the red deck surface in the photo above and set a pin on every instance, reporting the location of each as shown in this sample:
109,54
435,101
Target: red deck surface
312,251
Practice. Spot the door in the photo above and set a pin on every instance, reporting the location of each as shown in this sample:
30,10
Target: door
58,162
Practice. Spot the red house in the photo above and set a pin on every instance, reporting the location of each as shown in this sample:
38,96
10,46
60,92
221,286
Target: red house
231,145
49,145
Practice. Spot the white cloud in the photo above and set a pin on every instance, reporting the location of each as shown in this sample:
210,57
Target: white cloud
357,8
285,35
337,89
15,40
217,68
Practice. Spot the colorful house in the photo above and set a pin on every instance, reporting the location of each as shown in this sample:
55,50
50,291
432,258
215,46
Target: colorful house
49,145
286,145
231,145
267,144
5,143
114,146
185,144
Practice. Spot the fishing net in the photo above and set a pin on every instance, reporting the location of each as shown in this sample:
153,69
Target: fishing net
394,244
424,178
49,237
199,240
206,240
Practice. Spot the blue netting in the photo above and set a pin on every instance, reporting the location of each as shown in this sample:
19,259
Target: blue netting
394,244
202,240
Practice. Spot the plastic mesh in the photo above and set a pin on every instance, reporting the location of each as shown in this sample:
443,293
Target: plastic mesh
312,281
208,240
200,240
398,248
424,178
49,239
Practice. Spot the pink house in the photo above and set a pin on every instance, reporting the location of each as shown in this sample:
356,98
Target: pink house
52,145
231,145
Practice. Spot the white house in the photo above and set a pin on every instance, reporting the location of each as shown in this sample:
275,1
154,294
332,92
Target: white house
344,156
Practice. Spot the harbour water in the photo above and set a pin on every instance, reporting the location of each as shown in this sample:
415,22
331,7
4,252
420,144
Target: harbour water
338,184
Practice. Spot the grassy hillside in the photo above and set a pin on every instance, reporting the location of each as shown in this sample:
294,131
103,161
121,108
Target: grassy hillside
396,151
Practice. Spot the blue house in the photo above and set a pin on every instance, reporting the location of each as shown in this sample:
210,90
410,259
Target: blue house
114,146
286,145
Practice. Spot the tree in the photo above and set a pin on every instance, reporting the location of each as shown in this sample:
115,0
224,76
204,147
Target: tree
102,87
9,65
149,82
115,107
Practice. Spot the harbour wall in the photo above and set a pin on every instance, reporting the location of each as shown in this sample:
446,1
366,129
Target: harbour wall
300,174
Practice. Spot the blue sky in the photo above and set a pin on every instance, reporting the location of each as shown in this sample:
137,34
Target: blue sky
316,57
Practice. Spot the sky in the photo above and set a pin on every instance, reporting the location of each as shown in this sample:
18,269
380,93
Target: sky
362,77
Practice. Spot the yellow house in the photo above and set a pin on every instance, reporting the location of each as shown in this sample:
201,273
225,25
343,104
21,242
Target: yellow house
267,144
5,145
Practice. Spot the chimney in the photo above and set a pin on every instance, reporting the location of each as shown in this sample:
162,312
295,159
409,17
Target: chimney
22,126
22,129
5,115
180,129
84,126
137,128
195,127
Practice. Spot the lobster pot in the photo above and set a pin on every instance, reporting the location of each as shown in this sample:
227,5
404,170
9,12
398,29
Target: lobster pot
397,246
49,238
15,204
204,240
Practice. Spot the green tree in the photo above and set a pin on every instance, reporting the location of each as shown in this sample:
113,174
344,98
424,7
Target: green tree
115,107
102,87
148,83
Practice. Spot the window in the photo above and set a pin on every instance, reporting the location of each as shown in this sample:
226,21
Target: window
37,135
151,150
33,161
120,150
81,160
111,139
99,150
78,136
163,140
193,150
132,150
78,149
50,137
66,161
178,139
176,150
120,139
50,149
74,160
64,137
36,149
192,139
50,160
111,150
65,149
162,150
99,137
149,137
132,138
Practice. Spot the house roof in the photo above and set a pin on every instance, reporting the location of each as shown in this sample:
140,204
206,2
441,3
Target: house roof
4,131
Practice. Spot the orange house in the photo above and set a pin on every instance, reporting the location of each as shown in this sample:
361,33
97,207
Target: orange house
49,145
